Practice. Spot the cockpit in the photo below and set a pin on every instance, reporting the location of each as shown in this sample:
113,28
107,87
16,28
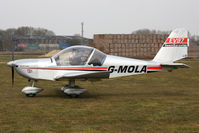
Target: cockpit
80,55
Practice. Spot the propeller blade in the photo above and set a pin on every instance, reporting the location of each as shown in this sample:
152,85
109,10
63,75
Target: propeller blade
13,57
13,76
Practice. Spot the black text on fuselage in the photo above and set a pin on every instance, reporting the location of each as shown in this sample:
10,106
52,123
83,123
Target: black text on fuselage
128,69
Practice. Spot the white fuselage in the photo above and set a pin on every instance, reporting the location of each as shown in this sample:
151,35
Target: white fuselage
47,69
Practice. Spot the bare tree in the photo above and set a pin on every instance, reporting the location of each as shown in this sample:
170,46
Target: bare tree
147,32
7,37
33,31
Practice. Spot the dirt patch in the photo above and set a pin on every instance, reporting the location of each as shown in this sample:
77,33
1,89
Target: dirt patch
50,54
21,53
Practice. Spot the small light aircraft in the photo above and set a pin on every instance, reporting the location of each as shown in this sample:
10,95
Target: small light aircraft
83,62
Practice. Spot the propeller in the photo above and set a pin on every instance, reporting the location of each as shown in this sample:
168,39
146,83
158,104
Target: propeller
12,67
12,76
12,63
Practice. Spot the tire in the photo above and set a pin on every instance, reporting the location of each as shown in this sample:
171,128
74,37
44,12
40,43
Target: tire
73,95
31,95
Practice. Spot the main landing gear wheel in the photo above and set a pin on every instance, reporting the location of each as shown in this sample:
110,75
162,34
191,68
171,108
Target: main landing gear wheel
30,95
73,96
72,90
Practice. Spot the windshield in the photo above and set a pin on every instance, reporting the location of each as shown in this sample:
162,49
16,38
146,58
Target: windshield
73,56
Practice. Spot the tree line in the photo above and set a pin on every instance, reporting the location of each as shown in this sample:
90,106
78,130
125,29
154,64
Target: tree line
7,36
193,38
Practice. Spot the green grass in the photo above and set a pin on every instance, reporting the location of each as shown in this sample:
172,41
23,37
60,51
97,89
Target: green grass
158,102
4,59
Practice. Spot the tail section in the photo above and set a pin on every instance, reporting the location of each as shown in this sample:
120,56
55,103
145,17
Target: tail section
174,48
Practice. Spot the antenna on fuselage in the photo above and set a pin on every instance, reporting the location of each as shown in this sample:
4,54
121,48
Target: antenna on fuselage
82,33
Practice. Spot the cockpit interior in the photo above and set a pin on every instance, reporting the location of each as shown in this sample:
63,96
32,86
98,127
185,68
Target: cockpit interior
80,55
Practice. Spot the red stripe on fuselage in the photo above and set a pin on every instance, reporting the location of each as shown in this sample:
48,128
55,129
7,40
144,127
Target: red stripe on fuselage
35,89
154,68
83,68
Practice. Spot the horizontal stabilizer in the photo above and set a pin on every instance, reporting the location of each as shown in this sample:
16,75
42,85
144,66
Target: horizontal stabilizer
174,65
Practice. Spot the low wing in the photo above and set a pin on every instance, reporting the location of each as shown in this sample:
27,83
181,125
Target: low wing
83,75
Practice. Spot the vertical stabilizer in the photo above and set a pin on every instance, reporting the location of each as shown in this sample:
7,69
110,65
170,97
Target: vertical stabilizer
174,48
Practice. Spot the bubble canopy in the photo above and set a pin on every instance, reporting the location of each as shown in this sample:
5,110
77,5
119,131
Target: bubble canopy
80,55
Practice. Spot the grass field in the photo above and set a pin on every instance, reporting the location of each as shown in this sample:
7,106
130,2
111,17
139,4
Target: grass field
158,102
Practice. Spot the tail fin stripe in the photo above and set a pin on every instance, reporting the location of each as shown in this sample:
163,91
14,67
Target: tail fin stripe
176,40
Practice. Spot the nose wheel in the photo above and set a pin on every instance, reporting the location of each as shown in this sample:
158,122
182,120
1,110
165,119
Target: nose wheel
31,91
72,90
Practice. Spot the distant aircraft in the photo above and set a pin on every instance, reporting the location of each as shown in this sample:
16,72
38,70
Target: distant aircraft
82,62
